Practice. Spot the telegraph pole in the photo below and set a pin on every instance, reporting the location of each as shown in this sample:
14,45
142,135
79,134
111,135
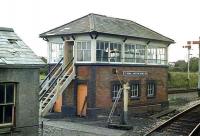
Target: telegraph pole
197,42
188,69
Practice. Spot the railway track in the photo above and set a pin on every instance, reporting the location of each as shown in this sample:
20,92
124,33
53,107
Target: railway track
186,123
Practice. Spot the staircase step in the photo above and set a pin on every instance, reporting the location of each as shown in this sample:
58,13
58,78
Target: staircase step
49,97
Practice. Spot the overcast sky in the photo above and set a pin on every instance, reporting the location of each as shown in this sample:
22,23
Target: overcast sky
176,19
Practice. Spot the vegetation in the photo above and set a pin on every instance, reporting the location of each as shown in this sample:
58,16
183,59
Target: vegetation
177,77
179,80
44,70
182,65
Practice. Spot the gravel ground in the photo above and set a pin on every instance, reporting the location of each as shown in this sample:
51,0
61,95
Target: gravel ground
141,125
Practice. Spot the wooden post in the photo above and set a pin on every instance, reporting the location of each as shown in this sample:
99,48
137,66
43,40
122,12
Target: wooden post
66,52
188,69
197,42
198,89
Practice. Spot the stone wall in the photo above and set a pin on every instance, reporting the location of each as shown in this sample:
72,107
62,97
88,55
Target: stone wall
27,101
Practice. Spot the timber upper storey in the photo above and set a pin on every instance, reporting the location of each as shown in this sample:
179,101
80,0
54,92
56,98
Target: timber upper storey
102,39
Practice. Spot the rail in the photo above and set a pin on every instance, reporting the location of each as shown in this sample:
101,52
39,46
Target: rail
172,119
54,81
48,75
195,131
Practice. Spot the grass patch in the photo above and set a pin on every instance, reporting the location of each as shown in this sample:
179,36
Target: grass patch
42,77
179,80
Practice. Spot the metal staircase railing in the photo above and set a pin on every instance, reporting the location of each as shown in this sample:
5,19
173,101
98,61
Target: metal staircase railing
55,86
50,73
114,106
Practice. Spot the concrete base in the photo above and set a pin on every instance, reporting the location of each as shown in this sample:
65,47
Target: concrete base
120,126
92,113
76,129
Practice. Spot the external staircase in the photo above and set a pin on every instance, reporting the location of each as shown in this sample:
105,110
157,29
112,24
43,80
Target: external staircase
54,84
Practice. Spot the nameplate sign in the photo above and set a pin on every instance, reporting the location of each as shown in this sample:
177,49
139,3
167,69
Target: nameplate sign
135,73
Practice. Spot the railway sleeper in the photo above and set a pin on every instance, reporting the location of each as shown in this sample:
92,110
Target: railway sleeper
181,128
183,125
188,120
182,133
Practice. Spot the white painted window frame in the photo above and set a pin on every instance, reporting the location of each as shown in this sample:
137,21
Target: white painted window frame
115,90
76,50
49,51
93,52
151,89
156,59
134,90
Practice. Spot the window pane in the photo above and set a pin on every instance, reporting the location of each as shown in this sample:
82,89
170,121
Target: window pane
111,46
8,114
1,114
83,45
98,45
115,89
129,53
2,93
102,51
79,55
88,45
87,55
115,52
78,45
106,45
151,89
9,93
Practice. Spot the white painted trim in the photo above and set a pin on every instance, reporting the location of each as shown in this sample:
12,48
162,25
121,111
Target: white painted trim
75,43
93,50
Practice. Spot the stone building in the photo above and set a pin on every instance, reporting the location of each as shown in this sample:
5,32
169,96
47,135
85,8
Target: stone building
19,86
95,47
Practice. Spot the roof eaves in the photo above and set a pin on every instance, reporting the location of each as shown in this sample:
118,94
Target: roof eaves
169,39
6,29
22,66
137,37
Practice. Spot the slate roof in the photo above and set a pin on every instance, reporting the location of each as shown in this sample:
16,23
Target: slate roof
13,51
106,25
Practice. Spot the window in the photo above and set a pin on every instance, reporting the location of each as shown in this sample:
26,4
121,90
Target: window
7,103
134,53
140,53
151,88
108,51
102,51
129,53
134,89
156,55
115,89
55,52
161,56
84,51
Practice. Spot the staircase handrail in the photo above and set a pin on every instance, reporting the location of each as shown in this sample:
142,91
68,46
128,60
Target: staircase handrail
56,79
48,75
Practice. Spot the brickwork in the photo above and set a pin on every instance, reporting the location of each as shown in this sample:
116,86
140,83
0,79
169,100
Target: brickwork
104,77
